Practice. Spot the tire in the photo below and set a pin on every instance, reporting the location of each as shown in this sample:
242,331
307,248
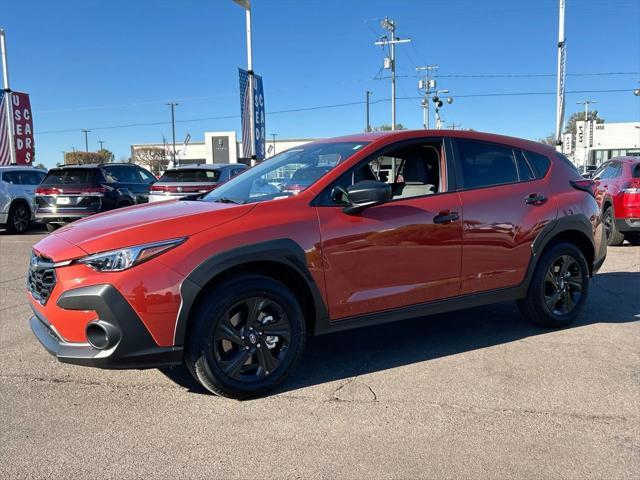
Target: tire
633,238
239,368
19,218
570,272
51,227
614,237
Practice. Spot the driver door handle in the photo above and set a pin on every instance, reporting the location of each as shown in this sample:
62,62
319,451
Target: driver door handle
446,217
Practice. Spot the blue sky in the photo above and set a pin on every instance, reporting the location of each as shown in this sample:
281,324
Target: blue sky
94,64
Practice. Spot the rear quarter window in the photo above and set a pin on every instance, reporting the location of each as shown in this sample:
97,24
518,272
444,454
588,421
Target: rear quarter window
541,163
635,171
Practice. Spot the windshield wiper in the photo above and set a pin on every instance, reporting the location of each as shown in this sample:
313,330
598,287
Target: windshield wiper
230,200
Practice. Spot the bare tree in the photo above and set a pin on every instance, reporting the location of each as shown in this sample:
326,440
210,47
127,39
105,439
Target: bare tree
81,158
154,158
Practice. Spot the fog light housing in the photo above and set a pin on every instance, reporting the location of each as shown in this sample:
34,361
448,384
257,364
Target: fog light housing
102,335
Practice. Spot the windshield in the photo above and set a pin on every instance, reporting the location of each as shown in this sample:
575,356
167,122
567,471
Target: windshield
190,175
70,176
286,174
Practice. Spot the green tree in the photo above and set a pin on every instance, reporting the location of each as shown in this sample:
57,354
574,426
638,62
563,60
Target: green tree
81,158
386,128
570,126
107,154
40,166
549,139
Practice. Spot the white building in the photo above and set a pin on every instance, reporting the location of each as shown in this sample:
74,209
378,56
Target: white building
595,143
217,147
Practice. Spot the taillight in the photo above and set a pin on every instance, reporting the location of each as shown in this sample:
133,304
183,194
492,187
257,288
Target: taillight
47,191
585,185
632,188
93,191
187,189
158,188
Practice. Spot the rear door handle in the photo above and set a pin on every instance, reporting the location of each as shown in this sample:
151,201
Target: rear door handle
446,217
535,199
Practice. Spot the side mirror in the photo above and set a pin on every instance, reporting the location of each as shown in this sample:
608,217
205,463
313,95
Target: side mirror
366,193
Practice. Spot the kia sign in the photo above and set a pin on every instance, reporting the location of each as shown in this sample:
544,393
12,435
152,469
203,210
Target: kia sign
23,128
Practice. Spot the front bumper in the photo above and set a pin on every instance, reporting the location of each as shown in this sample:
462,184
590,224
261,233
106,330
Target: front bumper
627,225
131,343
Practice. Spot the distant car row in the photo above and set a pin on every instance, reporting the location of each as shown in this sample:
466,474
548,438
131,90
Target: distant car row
68,193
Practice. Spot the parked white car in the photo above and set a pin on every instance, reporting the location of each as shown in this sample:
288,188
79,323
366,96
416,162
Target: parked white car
17,187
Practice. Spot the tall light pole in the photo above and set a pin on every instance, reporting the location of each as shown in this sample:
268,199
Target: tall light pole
86,139
560,82
173,106
274,135
368,122
7,92
246,4
390,62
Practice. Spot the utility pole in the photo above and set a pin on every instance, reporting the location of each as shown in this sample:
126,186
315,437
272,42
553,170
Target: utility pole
274,135
454,125
101,142
560,82
428,85
586,104
86,139
8,100
390,62
368,129
173,106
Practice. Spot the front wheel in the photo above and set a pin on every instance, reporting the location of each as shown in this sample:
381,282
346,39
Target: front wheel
245,337
19,219
559,287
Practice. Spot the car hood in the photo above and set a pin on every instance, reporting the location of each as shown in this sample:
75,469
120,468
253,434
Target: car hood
148,223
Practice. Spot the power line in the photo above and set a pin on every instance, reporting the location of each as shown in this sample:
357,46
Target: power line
335,105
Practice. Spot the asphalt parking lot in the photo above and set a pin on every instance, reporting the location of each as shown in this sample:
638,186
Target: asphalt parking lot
475,394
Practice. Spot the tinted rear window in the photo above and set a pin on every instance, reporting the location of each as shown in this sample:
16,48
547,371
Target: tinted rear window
70,176
636,171
189,175
23,177
541,163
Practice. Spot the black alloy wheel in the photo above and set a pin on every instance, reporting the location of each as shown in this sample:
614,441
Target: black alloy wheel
563,285
245,336
19,219
614,237
251,339
559,286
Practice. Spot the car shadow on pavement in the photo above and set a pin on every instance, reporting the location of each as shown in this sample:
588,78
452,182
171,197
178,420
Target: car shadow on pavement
613,298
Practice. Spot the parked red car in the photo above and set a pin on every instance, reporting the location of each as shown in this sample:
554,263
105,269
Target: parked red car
230,284
618,194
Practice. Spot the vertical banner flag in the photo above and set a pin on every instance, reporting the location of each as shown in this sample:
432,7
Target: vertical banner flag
5,154
259,111
23,128
20,109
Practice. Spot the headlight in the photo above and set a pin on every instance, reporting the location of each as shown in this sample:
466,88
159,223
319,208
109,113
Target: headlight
123,258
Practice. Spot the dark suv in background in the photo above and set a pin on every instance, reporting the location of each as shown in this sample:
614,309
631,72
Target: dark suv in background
76,191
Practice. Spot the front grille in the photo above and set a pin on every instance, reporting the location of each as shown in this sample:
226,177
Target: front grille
41,279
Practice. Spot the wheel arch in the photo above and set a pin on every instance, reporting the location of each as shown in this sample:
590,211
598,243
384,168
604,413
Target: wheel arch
576,229
283,260
20,201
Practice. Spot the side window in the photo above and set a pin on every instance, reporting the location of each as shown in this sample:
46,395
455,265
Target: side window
610,171
485,164
598,173
145,175
10,177
411,170
540,163
524,169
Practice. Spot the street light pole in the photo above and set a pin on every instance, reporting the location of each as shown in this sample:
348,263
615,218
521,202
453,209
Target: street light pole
560,81
246,4
273,135
173,106
368,122
7,92
86,139
429,88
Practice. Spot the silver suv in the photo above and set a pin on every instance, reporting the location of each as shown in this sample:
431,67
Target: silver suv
17,186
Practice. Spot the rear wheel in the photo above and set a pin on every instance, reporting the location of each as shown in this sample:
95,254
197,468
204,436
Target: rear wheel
559,287
19,218
246,337
614,237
